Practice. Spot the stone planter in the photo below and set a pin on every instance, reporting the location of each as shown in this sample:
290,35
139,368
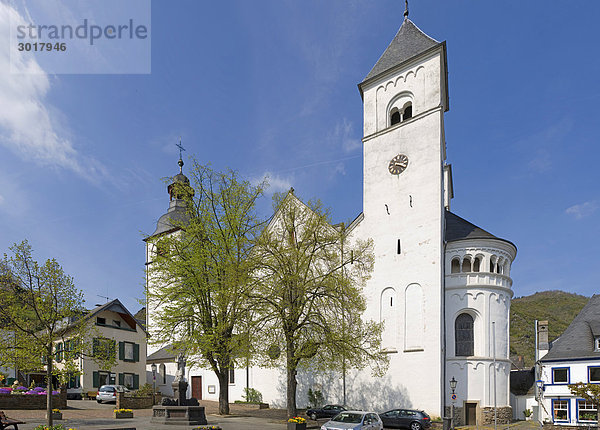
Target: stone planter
122,415
296,426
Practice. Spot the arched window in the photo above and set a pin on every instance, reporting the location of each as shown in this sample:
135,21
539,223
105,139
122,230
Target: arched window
466,265
492,264
395,117
463,335
162,371
477,264
455,266
407,113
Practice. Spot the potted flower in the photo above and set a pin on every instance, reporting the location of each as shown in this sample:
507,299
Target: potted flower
123,413
296,423
57,414
527,413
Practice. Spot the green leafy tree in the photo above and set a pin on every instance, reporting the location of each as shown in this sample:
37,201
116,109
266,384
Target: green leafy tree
308,293
40,305
589,392
199,277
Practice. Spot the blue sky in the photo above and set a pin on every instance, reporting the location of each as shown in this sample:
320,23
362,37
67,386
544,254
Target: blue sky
270,87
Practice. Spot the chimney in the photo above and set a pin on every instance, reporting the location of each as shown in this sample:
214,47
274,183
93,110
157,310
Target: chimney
543,345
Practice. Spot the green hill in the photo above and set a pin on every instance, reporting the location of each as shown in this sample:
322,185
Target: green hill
557,307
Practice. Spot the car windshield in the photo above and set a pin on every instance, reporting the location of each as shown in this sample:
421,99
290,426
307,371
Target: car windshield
107,389
348,417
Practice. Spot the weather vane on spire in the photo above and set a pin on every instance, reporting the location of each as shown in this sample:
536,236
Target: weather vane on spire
181,148
406,9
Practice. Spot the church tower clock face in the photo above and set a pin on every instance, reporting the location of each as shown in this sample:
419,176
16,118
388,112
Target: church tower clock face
398,164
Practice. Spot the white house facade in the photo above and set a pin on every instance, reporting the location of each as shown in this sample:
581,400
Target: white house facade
440,284
573,357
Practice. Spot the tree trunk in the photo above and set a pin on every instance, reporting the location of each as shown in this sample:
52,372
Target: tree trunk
49,385
223,391
291,391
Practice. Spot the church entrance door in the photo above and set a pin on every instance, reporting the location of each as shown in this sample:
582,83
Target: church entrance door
197,387
470,414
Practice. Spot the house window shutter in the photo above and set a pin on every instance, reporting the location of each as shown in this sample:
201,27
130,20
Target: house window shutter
121,379
136,352
121,350
136,381
95,379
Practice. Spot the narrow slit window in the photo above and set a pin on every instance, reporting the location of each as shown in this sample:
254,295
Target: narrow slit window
399,247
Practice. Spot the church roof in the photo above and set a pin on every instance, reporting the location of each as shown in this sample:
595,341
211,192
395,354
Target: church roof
578,340
409,42
458,228
166,353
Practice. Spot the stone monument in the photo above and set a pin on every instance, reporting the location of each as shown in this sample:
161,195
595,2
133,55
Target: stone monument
179,410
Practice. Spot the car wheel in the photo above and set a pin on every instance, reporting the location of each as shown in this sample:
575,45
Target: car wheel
415,426
99,401
313,416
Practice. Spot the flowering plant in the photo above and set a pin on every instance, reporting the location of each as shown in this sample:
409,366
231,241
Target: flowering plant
298,420
207,428
118,411
56,411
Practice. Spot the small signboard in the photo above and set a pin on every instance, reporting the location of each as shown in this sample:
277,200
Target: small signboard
453,396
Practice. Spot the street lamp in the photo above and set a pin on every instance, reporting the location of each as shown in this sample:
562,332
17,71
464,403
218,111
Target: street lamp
453,383
153,367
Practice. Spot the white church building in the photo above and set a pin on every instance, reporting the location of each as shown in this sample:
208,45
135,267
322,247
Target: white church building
441,284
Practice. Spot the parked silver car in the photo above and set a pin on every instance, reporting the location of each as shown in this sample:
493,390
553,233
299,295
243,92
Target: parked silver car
108,393
354,420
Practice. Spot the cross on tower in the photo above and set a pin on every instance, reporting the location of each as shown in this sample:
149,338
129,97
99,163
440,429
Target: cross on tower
180,162
181,148
405,8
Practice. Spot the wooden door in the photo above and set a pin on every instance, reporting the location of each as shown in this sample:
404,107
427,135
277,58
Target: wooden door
471,414
197,387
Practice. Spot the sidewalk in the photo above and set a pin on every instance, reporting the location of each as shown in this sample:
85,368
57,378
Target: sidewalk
83,414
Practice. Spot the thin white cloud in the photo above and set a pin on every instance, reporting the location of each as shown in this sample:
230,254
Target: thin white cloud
343,134
277,184
27,125
582,210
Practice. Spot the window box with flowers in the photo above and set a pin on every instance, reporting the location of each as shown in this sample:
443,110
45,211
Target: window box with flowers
296,423
123,413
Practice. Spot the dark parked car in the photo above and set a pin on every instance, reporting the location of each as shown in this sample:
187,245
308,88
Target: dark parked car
406,418
327,411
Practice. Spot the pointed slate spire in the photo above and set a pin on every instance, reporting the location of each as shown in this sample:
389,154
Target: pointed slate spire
409,42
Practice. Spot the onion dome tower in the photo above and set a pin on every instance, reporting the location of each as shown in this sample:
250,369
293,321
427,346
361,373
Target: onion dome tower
177,212
170,223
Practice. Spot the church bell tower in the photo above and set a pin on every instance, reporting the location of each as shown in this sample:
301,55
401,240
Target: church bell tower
405,96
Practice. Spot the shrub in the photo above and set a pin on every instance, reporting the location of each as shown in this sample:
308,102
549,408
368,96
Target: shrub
315,398
252,395
144,391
